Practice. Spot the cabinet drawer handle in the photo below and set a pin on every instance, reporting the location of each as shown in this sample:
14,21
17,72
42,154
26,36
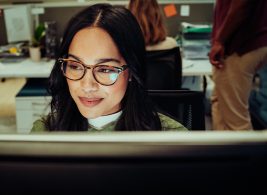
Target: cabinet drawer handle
36,115
38,104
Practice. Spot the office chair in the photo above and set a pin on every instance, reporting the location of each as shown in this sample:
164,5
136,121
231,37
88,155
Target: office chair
164,69
185,106
256,114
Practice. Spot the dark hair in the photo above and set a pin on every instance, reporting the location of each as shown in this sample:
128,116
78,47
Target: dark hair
121,25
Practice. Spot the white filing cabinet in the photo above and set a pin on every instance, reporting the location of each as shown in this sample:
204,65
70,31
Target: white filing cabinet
29,109
32,103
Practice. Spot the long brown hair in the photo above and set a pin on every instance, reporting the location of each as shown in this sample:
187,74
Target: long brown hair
150,19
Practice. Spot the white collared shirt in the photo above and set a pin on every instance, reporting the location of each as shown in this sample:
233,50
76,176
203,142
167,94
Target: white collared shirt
99,122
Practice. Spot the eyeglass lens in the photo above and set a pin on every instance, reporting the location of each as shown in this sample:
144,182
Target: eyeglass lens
104,74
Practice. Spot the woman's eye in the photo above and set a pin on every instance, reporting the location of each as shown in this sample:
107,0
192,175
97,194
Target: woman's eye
107,70
74,66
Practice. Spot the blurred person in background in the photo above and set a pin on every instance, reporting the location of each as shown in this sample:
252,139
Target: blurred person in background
239,48
148,14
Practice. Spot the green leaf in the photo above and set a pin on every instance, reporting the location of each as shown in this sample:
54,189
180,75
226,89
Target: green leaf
39,32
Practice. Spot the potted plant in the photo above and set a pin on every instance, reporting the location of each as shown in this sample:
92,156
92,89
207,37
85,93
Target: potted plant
35,48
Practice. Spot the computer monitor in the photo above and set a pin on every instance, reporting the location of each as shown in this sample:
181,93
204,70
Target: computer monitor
134,163
19,24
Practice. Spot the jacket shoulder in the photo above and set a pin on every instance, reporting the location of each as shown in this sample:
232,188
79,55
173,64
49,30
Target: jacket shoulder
38,126
168,123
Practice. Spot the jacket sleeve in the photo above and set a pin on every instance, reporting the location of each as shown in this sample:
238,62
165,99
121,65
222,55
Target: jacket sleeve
38,126
169,124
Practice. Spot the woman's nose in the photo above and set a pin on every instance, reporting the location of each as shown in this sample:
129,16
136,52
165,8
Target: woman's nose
88,81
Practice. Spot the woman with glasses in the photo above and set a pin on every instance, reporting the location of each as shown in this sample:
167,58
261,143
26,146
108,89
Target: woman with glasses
97,81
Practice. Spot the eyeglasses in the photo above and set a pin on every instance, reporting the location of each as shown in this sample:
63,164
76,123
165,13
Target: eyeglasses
103,74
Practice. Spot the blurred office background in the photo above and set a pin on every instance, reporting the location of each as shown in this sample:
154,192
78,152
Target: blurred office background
59,12
200,11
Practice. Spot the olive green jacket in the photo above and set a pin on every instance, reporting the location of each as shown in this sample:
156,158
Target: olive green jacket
166,122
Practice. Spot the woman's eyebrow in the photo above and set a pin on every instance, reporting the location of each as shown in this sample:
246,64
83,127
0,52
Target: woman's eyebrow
103,60
97,61
75,57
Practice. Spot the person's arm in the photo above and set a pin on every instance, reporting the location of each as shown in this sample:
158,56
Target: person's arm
236,15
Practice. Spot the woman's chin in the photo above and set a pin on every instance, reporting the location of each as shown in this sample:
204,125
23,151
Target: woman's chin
90,115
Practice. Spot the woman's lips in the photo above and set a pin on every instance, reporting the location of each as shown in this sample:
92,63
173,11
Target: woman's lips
90,102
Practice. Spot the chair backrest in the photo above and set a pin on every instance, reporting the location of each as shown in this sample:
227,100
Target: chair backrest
164,69
185,106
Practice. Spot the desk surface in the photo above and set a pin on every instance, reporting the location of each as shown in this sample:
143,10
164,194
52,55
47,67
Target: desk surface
28,68
196,67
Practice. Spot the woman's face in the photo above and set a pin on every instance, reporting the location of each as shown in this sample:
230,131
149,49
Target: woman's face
95,46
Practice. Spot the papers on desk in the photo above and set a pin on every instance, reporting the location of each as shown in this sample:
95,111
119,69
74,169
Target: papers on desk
196,51
187,64
12,53
195,41
196,67
186,25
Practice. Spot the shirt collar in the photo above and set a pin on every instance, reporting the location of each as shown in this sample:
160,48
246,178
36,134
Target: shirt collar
99,122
